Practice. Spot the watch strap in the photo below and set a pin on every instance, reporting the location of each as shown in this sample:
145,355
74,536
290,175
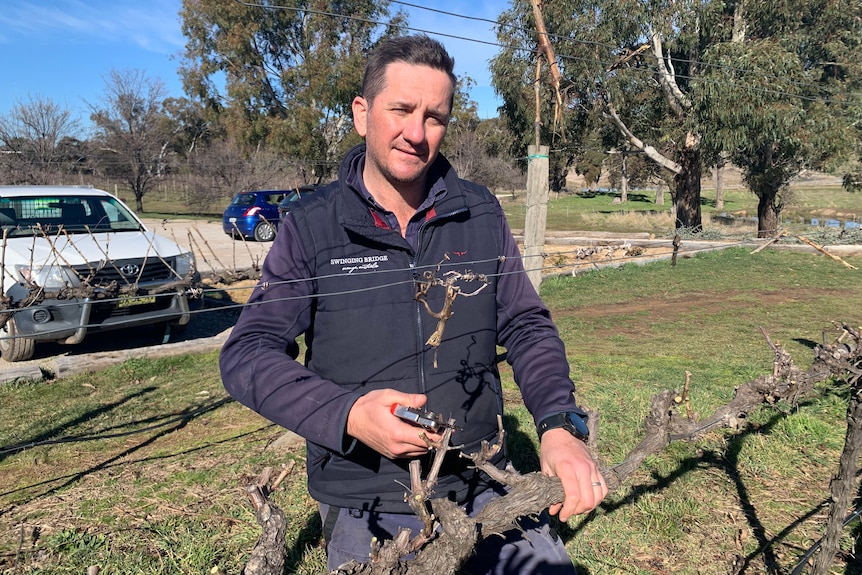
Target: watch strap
561,420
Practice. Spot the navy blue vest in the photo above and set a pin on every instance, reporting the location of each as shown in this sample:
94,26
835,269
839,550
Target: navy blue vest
370,331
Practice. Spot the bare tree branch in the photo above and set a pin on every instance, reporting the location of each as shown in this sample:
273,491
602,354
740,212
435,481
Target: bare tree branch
677,101
648,150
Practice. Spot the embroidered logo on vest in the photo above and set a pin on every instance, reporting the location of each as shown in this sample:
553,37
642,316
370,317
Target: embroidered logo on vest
357,263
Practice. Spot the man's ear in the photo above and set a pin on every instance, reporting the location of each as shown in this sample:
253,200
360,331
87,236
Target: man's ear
360,115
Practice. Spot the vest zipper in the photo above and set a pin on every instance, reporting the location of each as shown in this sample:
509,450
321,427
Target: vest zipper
413,258
420,345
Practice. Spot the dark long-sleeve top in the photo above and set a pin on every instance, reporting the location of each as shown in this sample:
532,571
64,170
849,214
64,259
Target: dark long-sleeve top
341,274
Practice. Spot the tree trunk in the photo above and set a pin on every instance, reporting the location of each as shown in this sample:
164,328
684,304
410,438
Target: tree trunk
624,181
719,181
767,213
687,192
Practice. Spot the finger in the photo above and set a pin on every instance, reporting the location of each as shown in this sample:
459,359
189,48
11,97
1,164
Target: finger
408,399
601,487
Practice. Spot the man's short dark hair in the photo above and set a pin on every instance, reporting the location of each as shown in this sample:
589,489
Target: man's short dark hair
418,50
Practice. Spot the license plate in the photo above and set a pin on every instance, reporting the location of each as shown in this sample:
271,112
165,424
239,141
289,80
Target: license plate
128,301
232,220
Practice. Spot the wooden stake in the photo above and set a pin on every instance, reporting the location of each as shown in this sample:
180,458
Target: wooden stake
820,249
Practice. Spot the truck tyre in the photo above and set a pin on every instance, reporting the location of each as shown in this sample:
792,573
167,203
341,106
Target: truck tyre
13,348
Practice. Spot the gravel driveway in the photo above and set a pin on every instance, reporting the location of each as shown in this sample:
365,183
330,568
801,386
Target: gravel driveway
215,250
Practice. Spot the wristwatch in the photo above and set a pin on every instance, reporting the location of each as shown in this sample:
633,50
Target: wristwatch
571,421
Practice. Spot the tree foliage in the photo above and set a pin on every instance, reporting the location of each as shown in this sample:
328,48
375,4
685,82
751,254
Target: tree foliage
613,60
780,99
284,75
771,83
478,149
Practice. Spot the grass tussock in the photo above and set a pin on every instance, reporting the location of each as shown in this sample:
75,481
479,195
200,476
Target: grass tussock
140,468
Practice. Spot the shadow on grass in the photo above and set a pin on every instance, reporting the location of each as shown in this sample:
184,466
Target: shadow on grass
810,344
310,535
49,436
161,425
633,197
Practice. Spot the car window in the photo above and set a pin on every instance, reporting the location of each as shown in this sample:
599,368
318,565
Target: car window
39,215
116,216
243,200
298,194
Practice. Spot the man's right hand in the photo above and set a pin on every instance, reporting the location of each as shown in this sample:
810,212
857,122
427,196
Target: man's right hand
371,421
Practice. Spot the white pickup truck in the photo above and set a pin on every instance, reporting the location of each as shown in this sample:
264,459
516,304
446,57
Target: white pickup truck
75,260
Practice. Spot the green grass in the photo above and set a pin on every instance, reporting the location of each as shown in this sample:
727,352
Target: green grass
141,468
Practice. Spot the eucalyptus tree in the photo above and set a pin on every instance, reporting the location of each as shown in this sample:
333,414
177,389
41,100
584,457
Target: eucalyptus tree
624,64
782,92
185,118
130,130
36,138
283,75
771,84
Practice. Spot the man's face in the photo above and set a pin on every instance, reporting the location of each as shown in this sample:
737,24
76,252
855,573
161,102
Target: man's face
404,125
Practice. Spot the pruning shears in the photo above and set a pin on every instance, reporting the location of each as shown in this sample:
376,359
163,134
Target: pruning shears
428,419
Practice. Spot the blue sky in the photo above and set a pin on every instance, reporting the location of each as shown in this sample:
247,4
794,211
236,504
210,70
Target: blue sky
63,49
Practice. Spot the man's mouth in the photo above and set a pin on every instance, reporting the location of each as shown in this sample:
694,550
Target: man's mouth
413,153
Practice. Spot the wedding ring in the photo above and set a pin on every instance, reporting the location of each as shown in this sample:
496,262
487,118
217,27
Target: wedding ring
597,483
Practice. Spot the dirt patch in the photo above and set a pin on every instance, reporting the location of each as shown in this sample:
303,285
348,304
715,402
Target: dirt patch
700,304
227,291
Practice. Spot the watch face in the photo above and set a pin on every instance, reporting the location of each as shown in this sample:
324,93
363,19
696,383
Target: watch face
578,423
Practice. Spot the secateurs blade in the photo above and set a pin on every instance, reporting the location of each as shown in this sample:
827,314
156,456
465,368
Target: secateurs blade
428,419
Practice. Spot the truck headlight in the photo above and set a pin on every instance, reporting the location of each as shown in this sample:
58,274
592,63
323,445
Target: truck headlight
185,264
49,277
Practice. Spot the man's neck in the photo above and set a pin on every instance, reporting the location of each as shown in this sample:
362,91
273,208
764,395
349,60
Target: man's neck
403,200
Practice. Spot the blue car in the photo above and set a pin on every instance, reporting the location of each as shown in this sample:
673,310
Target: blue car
253,215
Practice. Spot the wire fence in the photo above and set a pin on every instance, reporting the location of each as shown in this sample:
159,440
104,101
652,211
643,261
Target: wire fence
574,260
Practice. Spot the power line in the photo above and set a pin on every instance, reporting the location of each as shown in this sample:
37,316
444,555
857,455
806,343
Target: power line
562,56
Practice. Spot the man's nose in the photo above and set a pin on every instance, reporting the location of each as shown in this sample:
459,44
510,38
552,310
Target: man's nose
414,129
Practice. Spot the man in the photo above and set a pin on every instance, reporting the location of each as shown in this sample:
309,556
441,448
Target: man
346,270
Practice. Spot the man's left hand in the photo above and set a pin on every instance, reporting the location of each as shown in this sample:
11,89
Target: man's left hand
568,458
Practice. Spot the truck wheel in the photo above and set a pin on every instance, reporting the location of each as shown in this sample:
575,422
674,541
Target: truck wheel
13,348
264,232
